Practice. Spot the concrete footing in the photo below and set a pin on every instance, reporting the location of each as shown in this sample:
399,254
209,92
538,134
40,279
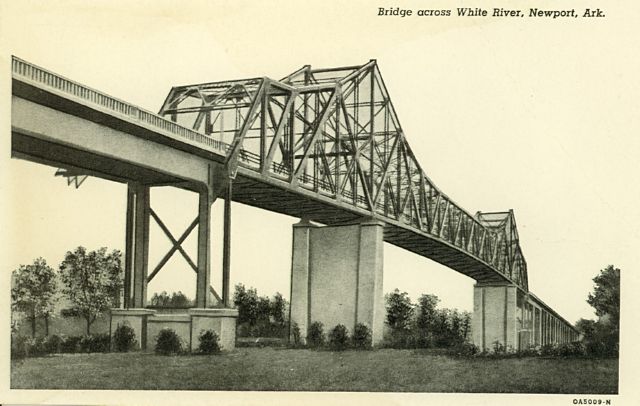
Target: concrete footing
337,277
188,324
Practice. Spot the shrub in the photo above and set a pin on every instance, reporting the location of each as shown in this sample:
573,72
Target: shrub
37,347
124,338
19,346
338,338
70,344
295,335
464,349
547,350
404,339
168,342
95,343
572,349
52,344
361,336
315,336
498,348
531,351
399,310
22,347
209,342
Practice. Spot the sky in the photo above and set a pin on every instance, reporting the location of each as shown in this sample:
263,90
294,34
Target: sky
537,116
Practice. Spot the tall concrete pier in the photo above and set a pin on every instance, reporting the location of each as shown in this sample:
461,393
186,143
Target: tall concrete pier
337,276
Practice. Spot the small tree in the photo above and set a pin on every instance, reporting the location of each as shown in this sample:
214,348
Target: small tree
278,308
605,298
180,300
427,311
263,312
33,292
601,338
465,327
399,310
160,299
246,301
92,281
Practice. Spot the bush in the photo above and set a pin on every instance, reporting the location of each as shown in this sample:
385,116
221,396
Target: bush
498,348
95,343
20,346
209,342
339,338
361,336
531,351
295,335
124,338
52,344
547,350
405,339
464,349
315,336
168,342
573,349
70,344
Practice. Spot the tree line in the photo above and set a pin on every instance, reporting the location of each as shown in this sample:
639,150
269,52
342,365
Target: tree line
423,324
602,337
90,280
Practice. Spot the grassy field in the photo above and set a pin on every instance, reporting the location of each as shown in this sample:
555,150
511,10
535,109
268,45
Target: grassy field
306,370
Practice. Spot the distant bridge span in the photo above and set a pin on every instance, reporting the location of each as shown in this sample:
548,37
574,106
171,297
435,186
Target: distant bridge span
320,144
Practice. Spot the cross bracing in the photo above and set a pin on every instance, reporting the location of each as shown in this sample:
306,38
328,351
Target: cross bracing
334,132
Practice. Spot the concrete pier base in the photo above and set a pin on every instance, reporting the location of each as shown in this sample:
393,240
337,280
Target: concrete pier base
134,318
187,323
337,277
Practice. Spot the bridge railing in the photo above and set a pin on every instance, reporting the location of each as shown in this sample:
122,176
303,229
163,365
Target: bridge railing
56,82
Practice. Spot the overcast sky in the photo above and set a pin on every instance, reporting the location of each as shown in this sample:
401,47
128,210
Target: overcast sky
539,117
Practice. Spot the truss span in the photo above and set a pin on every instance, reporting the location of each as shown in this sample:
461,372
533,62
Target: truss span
335,133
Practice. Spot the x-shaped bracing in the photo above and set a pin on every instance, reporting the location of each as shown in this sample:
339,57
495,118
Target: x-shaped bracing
177,246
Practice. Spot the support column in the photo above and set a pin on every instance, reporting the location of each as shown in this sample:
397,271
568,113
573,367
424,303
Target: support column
137,246
538,321
299,308
226,248
494,316
337,276
203,280
369,295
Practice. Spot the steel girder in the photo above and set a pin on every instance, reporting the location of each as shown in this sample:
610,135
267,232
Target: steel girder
335,132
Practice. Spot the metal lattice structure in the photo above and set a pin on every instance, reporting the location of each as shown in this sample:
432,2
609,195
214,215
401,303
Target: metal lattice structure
336,133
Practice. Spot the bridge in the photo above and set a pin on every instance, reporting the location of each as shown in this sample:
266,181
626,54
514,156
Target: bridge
323,145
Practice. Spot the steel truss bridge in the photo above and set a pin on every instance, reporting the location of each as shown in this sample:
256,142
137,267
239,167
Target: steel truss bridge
326,144
320,144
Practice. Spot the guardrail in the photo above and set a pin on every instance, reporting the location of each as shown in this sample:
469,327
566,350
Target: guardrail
56,82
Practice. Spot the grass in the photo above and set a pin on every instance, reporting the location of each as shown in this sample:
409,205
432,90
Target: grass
385,370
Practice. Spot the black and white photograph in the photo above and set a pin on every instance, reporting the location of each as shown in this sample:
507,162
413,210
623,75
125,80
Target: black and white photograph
311,202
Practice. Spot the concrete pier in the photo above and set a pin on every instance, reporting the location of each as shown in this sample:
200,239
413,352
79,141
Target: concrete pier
337,276
515,319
